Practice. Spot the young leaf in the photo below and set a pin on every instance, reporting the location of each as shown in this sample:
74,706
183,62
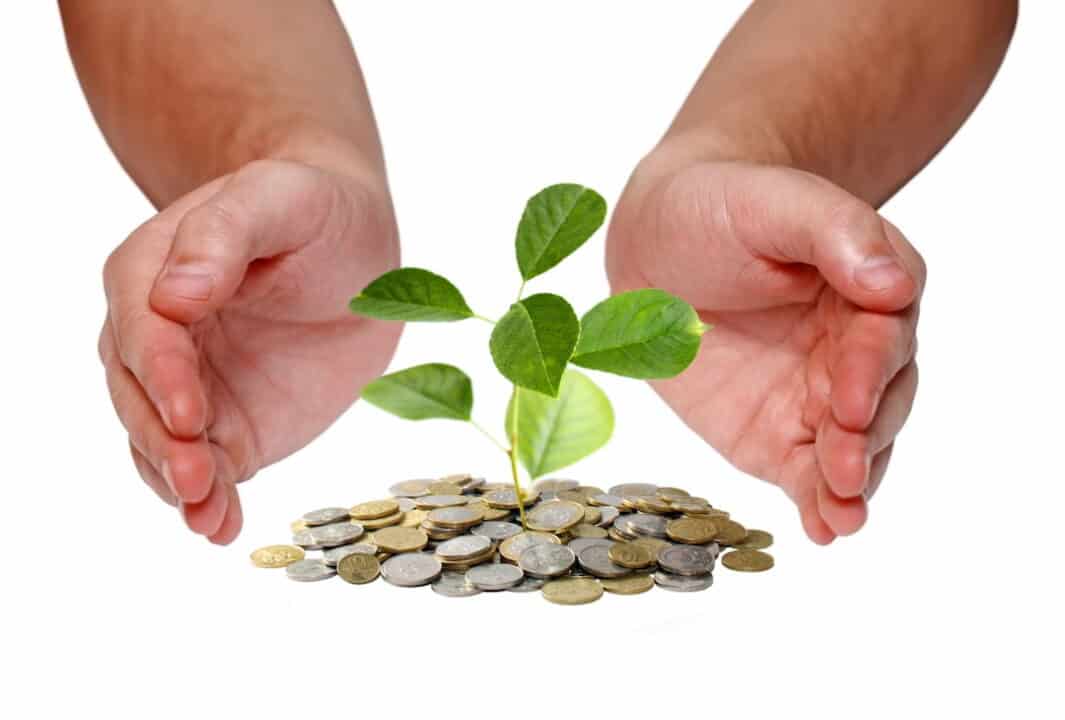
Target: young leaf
556,432
411,294
641,334
532,343
557,221
422,392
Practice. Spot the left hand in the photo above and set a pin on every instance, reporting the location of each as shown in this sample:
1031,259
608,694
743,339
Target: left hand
809,372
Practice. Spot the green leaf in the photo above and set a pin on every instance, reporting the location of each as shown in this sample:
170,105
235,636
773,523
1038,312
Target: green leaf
556,432
411,294
422,392
641,334
557,220
532,343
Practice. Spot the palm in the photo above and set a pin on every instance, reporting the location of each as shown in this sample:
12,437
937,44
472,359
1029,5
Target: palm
787,347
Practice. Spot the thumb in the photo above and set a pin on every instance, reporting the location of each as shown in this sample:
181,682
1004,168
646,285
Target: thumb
266,209
809,220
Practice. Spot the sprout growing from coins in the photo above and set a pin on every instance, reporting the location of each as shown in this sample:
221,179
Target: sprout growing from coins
556,416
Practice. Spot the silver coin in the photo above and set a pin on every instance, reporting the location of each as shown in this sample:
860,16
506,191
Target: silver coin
335,533
683,583
326,516
496,529
454,584
432,502
309,570
333,555
607,516
449,516
555,485
463,547
305,540
554,516
644,524
411,569
410,488
492,576
473,484
546,561
634,489
508,498
608,500
596,561
405,504
578,544
528,584
686,560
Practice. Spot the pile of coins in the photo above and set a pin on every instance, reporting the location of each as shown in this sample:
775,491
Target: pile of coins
462,536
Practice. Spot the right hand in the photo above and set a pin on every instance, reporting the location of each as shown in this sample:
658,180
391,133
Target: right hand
228,343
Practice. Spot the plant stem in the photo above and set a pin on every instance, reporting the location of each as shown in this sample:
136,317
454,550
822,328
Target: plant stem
490,436
488,320
513,455
521,289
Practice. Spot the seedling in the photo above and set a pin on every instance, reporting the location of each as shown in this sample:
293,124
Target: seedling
556,416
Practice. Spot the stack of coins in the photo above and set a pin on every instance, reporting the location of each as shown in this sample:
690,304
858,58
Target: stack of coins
462,536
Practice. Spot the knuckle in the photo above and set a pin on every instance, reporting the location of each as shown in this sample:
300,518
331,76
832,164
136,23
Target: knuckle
850,217
212,229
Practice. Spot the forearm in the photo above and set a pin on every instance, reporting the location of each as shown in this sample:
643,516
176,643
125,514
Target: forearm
188,90
863,93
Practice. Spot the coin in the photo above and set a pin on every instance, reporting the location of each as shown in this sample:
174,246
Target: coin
686,560
595,559
334,534
747,560
693,531
512,547
413,518
572,496
546,560
508,499
729,532
410,488
587,531
387,521
578,544
572,590
454,584
298,526
755,540
333,555
432,502
374,509
400,539
490,513
325,516
411,569
494,576
683,583
463,547
305,540
630,584
555,485
635,489
630,555
655,545
441,487
607,516
456,517
276,556
494,530
555,516
528,584
592,515
358,569
642,524
309,570
653,504
607,499
668,493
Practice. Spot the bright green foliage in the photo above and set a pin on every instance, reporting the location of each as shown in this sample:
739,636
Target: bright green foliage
532,343
422,392
557,221
411,294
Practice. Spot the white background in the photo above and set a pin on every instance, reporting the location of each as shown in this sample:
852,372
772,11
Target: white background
948,600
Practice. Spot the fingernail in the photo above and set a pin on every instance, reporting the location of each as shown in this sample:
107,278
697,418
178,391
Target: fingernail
880,273
188,282
165,470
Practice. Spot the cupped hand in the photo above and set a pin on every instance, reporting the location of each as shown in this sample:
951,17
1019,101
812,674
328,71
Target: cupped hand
809,372
228,344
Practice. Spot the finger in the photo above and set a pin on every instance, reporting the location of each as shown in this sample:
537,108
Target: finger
186,466
151,477
877,472
158,351
845,516
812,221
265,210
205,518
799,478
229,529
872,350
846,456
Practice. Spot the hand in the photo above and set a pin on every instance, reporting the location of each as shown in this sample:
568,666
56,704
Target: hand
809,372
228,344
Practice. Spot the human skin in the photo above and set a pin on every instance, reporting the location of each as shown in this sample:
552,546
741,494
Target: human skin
227,342
759,207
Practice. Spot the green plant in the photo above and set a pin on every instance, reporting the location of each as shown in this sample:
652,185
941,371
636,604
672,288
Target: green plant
555,416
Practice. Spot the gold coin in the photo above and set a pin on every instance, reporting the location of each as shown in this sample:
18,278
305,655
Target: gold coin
588,490
592,515
277,556
716,513
630,555
629,585
298,526
729,532
387,521
490,513
614,535
460,479
413,518
668,493
573,496
653,505
442,487
374,509
573,590
747,560
513,546
358,569
755,540
555,516
693,531
655,545
585,530
400,539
